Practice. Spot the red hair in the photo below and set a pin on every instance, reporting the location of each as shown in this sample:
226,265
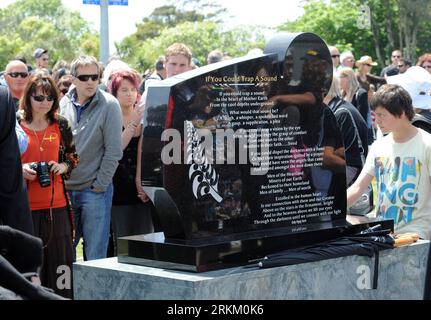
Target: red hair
119,76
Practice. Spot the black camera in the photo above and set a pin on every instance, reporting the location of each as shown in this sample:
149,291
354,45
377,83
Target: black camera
42,169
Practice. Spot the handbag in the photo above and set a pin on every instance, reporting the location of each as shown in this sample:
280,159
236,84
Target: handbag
365,202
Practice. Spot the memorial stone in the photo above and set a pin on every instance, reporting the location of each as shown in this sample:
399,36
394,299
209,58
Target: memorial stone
242,158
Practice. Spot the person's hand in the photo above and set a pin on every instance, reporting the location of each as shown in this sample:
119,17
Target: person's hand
96,190
141,193
28,174
36,280
137,115
57,168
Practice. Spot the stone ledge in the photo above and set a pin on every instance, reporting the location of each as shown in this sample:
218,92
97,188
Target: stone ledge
401,276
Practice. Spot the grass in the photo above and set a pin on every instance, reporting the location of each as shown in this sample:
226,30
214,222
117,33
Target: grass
79,252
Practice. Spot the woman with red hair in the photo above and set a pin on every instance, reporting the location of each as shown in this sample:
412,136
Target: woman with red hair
424,61
129,215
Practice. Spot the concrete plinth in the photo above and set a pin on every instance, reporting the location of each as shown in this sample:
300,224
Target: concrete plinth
401,276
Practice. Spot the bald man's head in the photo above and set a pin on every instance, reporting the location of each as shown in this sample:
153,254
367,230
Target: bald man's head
16,76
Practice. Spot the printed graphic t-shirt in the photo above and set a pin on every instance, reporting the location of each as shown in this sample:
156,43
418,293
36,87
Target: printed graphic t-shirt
402,171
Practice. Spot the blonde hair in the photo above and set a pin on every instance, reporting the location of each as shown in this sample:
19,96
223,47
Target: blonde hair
178,49
335,90
352,83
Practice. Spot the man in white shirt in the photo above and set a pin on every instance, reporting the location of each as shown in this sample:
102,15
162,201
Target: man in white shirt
401,163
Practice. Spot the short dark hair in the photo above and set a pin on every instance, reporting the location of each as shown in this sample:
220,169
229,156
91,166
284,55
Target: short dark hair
395,99
160,63
406,62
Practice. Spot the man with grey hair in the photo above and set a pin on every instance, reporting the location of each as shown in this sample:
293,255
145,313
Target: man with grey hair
96,120
347,60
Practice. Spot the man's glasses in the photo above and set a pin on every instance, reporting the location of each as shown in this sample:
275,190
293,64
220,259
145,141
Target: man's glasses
42,98
18,74
335,56
85,77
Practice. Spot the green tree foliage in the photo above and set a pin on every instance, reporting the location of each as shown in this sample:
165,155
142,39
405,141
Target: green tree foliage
201,37
196,23
393,24
175,13
30,24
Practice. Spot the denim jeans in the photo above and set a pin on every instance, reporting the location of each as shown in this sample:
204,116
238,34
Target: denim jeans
92,220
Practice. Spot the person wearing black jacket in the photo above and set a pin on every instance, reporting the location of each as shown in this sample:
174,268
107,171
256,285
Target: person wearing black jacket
14,207
345,112
353,93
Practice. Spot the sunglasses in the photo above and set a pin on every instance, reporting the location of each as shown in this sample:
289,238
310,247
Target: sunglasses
335,56
18,74
85,77
42,98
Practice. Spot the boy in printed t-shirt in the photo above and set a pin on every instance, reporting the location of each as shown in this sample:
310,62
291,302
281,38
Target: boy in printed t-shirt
401,163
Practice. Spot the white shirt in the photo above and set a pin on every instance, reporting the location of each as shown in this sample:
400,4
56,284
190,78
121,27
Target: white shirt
402,171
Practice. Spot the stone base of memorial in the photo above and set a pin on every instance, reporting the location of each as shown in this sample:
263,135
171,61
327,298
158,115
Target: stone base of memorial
202,255
401,275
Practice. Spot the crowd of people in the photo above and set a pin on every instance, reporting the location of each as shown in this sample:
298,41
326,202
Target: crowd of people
73,135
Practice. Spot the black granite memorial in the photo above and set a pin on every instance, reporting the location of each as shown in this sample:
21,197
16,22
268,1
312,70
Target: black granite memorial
241,159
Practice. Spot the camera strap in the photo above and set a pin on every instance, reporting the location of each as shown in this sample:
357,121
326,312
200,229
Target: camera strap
50,217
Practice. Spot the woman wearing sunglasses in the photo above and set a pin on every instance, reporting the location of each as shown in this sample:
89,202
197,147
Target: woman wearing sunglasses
48,160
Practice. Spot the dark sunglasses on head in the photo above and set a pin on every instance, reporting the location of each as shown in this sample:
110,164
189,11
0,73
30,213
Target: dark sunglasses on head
85,77
18,74
42,98
335,56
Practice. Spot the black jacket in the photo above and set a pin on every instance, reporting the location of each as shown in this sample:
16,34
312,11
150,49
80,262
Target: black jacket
14,207
352,151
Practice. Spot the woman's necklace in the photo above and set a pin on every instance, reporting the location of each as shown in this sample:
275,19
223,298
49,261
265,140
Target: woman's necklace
43,139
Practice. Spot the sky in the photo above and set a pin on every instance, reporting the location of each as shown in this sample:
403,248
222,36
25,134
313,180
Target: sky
123,19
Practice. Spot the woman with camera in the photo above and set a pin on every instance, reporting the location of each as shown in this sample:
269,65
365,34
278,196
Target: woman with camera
48,160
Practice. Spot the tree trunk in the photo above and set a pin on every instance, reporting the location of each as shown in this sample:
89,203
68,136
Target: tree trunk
389,26
376,38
